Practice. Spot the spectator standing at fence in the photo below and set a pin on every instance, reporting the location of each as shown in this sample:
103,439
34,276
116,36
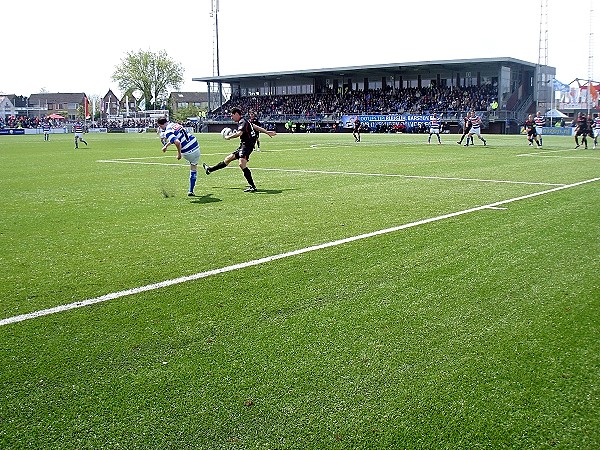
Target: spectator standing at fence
540,122
494,106
289,126
434,128
246,131
186,144
78,130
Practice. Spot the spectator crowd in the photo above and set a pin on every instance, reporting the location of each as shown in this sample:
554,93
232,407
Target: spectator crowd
317,107
373,101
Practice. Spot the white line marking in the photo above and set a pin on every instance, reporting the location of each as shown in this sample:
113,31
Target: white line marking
197,276
551,154
543,152
136,159
495,207
326,172
114,161
562,157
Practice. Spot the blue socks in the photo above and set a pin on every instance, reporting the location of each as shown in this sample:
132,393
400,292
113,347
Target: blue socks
192,180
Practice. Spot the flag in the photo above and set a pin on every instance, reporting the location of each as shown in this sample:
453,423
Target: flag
86,108
594,91
562,87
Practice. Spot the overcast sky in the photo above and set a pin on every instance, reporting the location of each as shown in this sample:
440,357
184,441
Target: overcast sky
75,45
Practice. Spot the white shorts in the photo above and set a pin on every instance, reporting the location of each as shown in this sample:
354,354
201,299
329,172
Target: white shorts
434,131
475,130
192,156
79,135
596,132
538,130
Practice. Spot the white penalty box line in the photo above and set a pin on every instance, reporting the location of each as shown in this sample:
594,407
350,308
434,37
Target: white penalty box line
578,154
396,175
256,262
330,172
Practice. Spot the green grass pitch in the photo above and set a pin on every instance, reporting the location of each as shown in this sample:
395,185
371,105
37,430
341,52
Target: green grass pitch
381,294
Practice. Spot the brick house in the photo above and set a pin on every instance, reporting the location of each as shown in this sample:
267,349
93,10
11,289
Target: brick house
68,105
178,100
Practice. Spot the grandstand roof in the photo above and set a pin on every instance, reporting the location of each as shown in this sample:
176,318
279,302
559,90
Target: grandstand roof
455,65
53,97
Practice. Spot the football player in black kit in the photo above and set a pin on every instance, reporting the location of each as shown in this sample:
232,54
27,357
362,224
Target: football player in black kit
581,130
529,126
356,130
466,128
247,133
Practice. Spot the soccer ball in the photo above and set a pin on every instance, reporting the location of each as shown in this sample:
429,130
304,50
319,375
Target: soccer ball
225,132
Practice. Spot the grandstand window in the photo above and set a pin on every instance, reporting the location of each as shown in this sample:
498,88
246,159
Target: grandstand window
504,88
375,84
486,81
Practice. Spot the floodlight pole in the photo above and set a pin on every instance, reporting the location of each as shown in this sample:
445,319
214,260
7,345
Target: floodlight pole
590,60
542,54
216,62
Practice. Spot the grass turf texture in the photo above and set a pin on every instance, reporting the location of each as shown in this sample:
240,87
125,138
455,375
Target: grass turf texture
477,331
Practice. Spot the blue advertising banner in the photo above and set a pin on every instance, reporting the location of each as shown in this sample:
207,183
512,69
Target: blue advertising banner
410,120
558,131
12,131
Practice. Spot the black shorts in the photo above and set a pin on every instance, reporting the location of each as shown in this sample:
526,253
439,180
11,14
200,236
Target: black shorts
243,151
532,133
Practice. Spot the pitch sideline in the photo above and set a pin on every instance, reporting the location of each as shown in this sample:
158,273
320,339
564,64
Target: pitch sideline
200,275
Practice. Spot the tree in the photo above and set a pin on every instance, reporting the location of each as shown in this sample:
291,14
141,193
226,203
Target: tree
182,114
150,73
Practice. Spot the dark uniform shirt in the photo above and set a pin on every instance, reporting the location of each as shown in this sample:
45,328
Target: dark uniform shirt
467,124
248,137
530,127
581,125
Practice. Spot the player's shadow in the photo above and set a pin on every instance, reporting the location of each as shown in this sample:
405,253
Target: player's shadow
272,191
263,191
205,199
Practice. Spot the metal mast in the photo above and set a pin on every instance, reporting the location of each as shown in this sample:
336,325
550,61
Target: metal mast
542,82
214,13
590,59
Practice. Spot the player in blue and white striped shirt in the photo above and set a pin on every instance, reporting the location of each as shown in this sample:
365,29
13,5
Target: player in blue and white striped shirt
187,146
78,130
434,128
46,130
